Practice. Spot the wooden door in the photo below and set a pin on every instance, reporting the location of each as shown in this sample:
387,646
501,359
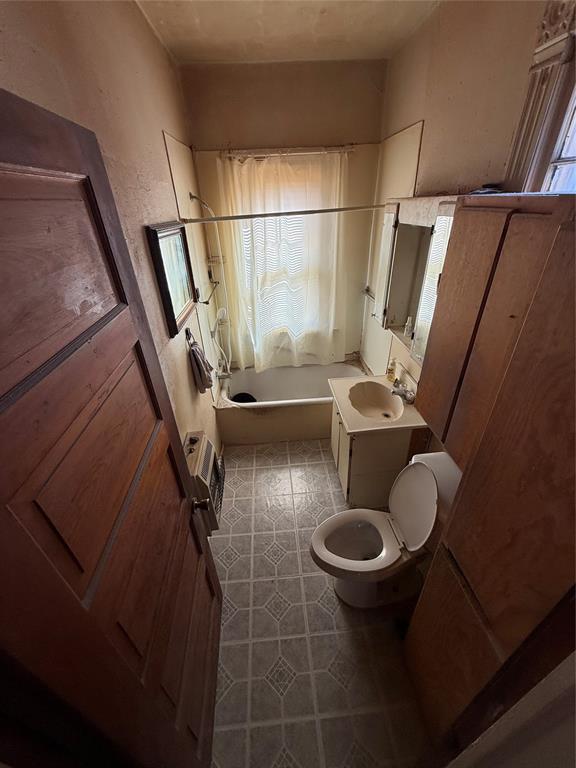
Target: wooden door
449,651
472,249
109,593
525,250
512,530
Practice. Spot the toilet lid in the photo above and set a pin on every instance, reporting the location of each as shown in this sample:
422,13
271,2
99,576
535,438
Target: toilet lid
413,501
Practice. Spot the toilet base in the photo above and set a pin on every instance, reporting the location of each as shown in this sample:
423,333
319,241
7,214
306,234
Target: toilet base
371,594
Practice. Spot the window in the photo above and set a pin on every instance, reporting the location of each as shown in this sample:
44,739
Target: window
561,175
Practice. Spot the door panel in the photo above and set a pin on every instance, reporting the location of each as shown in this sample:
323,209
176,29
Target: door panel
73,496
56,274
473,247
529,238
516,503
94,490
449,652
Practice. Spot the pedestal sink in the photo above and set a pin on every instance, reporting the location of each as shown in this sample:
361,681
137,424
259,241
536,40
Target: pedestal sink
375,401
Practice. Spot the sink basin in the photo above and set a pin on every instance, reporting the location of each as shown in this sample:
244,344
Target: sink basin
376,401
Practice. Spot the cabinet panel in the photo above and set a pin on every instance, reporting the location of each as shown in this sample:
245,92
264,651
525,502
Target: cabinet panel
529,238
335,433
512,531
449,652
474,242
344,447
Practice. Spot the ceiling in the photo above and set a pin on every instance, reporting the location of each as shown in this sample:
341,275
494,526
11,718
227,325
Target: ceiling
283,30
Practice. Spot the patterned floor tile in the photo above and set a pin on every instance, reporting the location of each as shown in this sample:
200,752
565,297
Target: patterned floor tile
311,509
233,556
344,676
325,612
277,608
272,481
229,748
309,478
271,454
273,513
236,517
307,565
305,452
304,681
275,555
236,611
239,457
358,741
239,484
290,745
281,684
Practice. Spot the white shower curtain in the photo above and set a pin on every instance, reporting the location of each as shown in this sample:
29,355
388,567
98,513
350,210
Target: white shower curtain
285,280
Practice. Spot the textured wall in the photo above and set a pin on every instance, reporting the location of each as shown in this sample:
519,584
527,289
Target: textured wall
284,105
465,73
100,65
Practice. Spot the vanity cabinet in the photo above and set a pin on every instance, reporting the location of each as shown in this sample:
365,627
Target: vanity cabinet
509,538
369,462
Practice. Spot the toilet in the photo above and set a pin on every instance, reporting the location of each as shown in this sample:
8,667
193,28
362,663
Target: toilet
373,554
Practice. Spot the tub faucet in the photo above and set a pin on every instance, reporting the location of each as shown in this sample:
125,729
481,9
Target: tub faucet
402,391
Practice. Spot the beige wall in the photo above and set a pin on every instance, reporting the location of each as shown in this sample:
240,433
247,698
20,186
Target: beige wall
285,104
464,73
100,65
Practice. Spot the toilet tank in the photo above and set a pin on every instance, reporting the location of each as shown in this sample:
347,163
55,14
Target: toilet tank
447,474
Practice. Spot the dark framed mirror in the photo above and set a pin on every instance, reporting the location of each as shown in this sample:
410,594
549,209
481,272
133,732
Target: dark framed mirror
173,267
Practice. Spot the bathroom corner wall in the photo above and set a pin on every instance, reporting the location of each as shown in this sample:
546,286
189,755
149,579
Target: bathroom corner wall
465,73
100,65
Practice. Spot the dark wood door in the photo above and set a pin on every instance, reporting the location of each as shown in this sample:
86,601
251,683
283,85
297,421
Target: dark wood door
109,593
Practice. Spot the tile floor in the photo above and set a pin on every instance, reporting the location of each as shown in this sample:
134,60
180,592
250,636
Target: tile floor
304,681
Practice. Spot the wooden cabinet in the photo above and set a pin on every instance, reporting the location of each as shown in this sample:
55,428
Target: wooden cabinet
509,539
474,241
449,651
512,530
497,251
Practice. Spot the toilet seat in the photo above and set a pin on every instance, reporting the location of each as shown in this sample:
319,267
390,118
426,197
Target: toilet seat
413,504
343,566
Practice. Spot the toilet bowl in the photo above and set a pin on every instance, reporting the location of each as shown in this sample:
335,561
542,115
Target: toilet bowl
372,553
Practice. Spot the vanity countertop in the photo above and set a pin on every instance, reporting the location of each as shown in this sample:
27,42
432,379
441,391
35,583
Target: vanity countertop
355,422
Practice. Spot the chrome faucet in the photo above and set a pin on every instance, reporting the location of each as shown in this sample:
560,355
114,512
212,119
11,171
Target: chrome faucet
402,391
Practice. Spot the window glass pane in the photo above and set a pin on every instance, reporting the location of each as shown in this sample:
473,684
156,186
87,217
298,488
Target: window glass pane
563,178
569,146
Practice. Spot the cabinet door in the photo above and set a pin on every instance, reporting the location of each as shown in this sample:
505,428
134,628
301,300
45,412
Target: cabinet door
344,448
449,652
529,238
512,530
473,246
335,433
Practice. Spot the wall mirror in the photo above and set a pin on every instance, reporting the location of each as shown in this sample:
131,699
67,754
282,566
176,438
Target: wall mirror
173,268
406,277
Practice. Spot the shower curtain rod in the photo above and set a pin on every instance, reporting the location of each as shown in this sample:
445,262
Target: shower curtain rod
232,153
307,212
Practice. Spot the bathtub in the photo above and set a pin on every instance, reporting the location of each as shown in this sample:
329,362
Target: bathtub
292,403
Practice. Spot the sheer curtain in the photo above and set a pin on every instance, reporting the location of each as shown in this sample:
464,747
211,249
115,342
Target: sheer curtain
285,279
